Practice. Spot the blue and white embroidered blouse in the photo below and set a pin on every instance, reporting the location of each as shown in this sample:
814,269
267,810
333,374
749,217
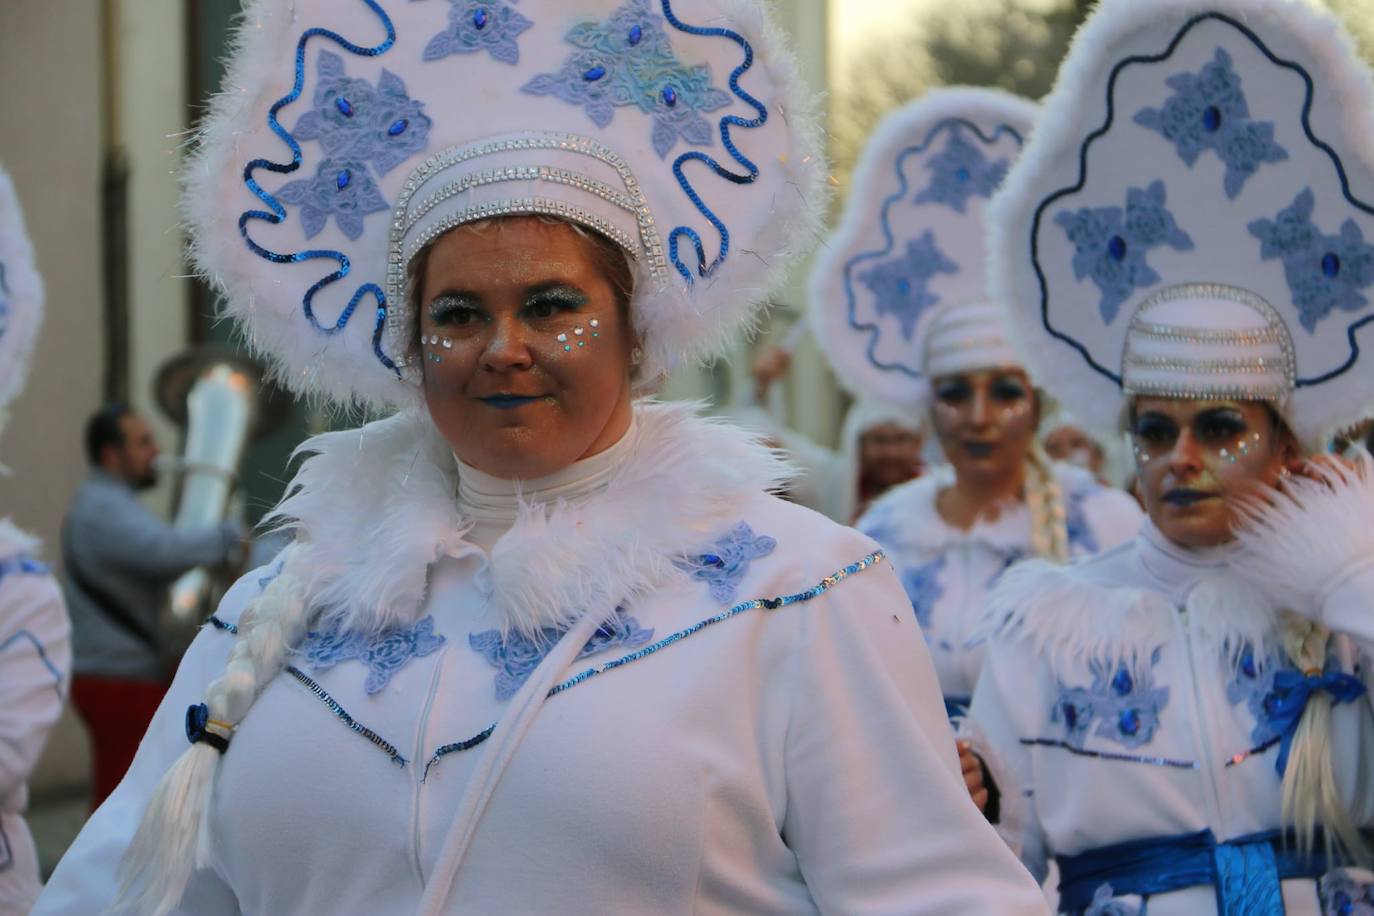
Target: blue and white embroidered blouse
946,572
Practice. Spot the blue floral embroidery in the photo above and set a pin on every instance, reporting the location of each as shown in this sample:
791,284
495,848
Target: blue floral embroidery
899,284
516,656
629,60
1342,895
1125,706
1324,272
479,25
1111,243
1076,526
961,170
343,190
1252,683
352,120
1208,111
384,653
727,561
923,587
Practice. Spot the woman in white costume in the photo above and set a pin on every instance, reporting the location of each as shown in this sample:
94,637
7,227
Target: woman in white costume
35,636
538,646
1183,723
900,305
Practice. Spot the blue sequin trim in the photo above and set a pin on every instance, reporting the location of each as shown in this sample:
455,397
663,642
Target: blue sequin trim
1208,111
276,213
1110,755
1325,273
1110,244
950,125
382,653
726,562
385,746
770,604
223,626
1309,90
42,655
515,656
1123,703
480,25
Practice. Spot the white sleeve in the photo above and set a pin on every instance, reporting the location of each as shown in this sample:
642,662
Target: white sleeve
877,811
994,731
86,879
35,670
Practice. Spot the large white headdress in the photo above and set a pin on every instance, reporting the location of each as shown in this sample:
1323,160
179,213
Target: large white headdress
1194,216
21,296
899,295
353,132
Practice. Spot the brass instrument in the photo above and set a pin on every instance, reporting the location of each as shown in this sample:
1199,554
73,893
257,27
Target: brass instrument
218,400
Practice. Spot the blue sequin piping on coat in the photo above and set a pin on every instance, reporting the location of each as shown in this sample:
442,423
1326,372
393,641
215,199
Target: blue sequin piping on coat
515,655
383,653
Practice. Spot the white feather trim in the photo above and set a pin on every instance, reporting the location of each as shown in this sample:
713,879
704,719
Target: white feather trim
1071,620
1304,540
373,508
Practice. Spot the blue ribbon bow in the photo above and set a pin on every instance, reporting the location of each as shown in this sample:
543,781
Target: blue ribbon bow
1292,690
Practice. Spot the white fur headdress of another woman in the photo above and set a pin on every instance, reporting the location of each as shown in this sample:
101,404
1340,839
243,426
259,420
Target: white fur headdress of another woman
1195,219
1195,216
899,293
21,297
353,132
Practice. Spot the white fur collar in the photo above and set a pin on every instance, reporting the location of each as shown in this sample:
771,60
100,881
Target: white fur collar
373,508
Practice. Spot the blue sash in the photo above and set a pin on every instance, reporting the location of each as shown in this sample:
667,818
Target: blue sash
1245,871
957,707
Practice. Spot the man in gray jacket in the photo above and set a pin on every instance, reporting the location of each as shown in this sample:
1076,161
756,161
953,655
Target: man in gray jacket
119,561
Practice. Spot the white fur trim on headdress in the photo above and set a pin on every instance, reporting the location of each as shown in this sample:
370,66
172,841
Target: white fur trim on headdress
911,239
679,128
21,295
1209,153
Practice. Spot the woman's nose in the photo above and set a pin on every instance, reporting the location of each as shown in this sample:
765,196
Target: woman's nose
507,348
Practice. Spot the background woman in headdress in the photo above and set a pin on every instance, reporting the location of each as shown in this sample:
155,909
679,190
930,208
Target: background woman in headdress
35,637
539,645
901,308
1183,724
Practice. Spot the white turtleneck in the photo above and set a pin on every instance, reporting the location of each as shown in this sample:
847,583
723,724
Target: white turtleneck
1176,568
494,502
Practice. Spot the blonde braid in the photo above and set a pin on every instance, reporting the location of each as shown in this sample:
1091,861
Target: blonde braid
172,840
1310,796
1045,500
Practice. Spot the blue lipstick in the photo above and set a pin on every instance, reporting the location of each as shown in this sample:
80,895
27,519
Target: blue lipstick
508,401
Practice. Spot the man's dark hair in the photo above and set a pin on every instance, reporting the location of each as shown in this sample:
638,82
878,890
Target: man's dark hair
103,429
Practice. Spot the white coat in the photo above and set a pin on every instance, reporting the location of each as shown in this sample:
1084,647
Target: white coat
705,752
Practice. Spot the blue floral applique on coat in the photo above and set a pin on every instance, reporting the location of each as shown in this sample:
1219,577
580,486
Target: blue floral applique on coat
480,25
1342,895
1208,111
923,588
1079,532
384,653
1252,683
900,284
515,656
1124,706
726,562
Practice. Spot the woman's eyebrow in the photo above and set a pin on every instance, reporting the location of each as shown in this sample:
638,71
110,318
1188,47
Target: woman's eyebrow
458,296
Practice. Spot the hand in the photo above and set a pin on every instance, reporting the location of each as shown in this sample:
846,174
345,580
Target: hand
769,365
972,765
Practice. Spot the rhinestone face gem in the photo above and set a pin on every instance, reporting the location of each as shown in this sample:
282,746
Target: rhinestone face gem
562,338
578,331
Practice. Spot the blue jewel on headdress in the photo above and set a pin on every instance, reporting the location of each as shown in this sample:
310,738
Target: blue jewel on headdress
629,60
515,656
923,589
1208,111
384,653
343,190
1324,272
959,171
899,284
352,119
726,562
1111,243
480,25
1124,705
